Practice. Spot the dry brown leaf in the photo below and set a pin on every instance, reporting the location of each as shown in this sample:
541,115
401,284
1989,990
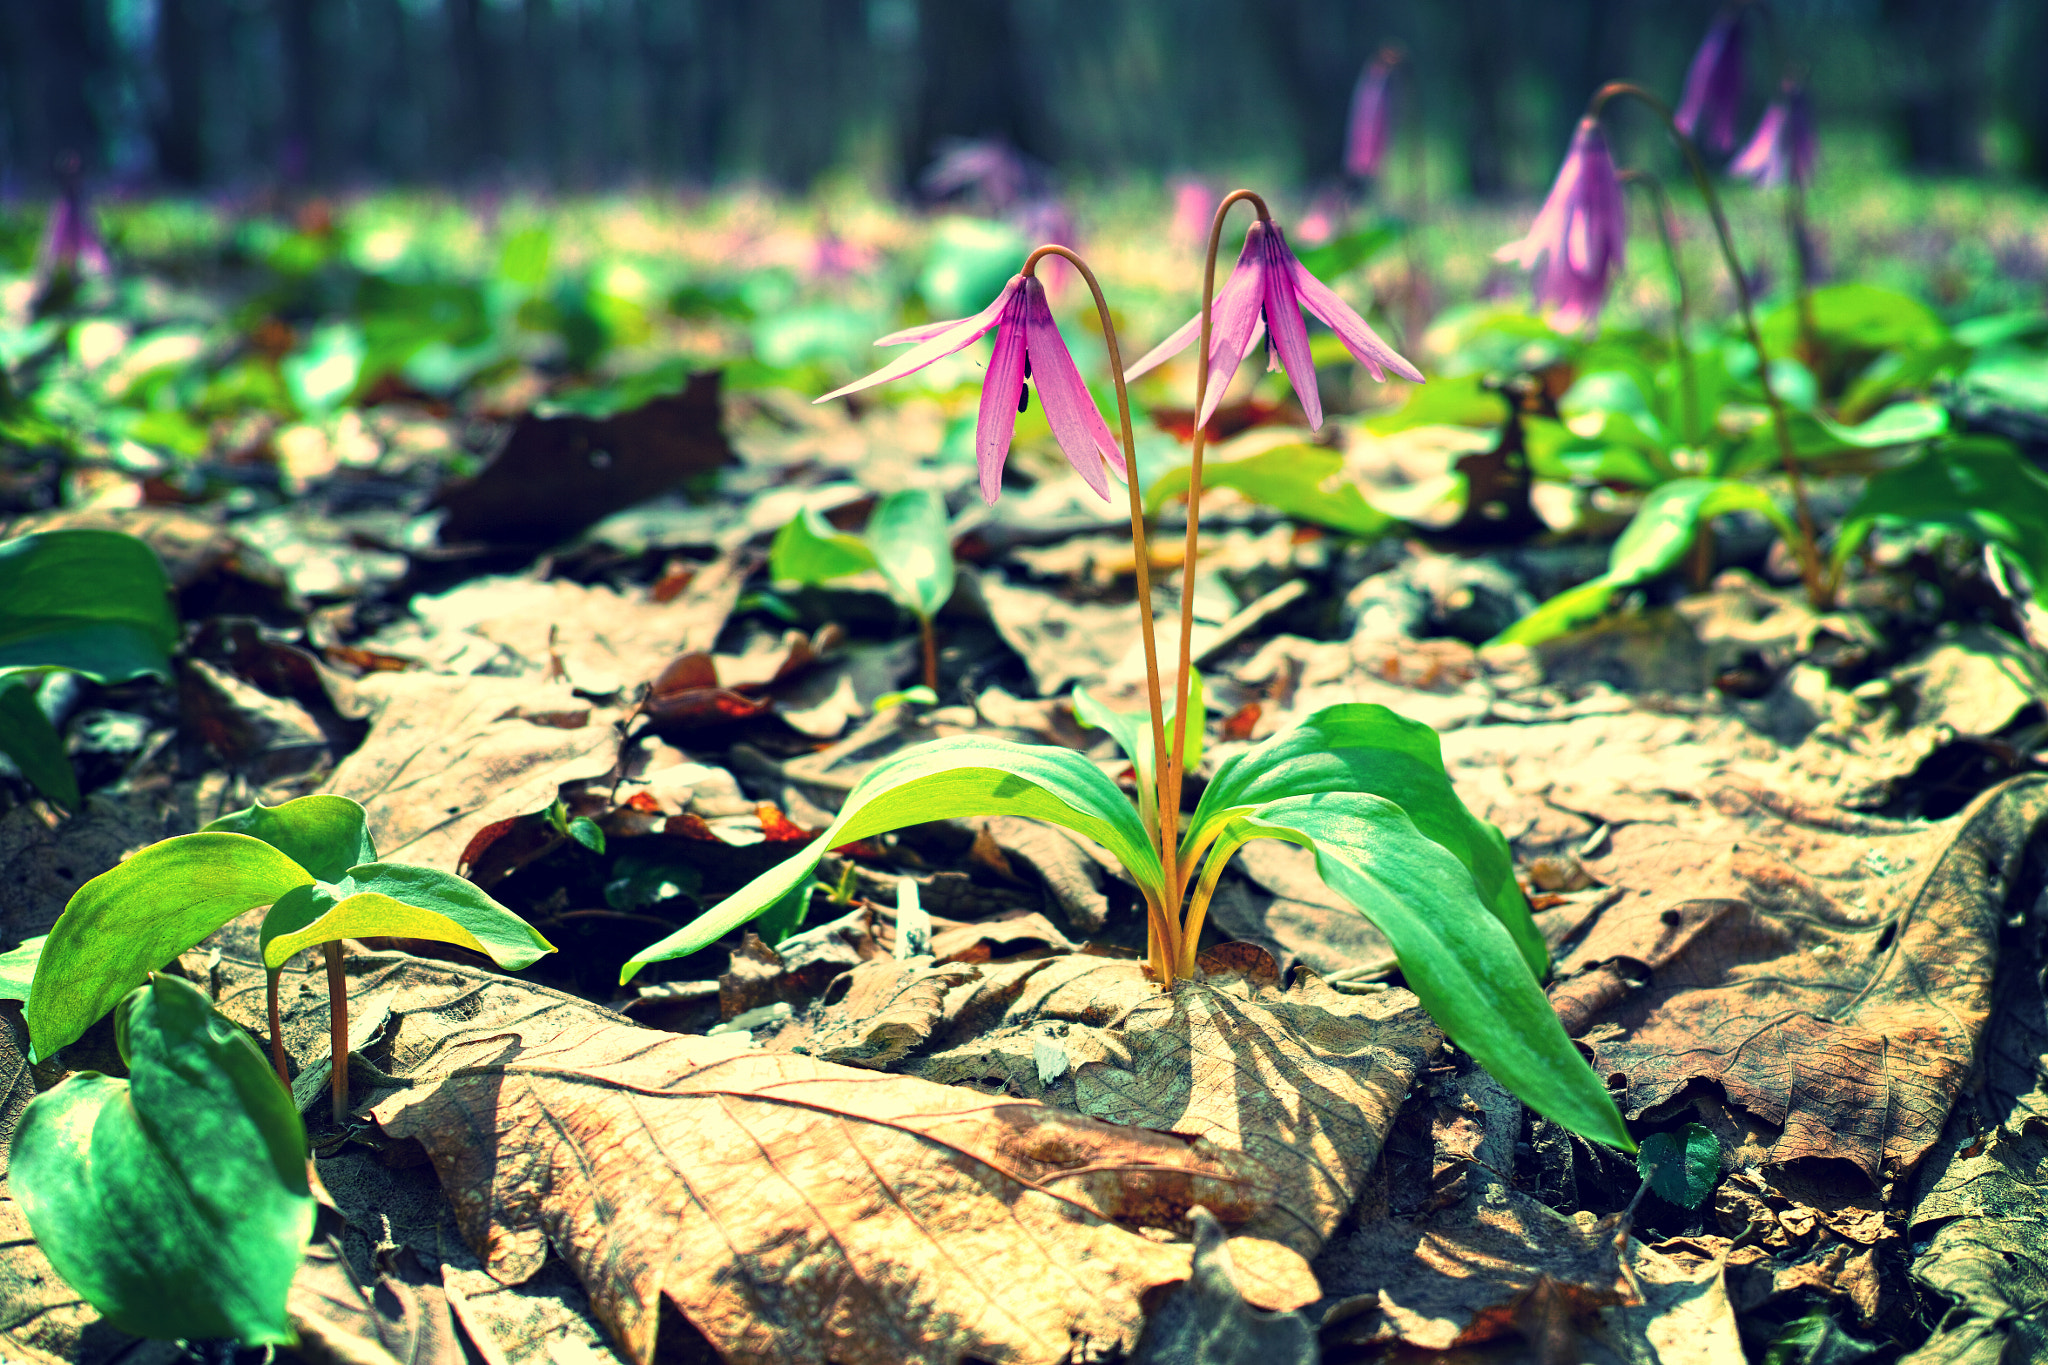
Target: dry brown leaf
1304,1082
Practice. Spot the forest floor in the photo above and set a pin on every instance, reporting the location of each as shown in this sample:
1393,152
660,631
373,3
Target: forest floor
1788,860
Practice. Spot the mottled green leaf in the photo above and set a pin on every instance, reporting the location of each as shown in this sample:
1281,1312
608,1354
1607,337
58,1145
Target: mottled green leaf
1681,1165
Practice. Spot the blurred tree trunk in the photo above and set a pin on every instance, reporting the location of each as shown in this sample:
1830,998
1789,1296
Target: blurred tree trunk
308,55
469,138
975,84
184,41
1940,76
1485,67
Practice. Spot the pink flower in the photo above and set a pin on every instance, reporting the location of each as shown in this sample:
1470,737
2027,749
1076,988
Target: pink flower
1782,147
1028,346
1268,292
1365,140
1194,203
1713,85
71,243
1575,245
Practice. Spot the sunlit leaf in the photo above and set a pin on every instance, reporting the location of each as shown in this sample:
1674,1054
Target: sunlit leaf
1132,731
321,376
176,1201
397,900
809,550
1457,958
1979,487
326,835
1365,747
959,776
1858,316
969,262
18,968
912,545
1298,481
133,918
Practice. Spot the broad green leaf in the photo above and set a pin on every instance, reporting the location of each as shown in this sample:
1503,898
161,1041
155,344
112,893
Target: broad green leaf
321,376
2016,378
398,900
1612,406
326,835
176,1201
1682,1165
945,779
1654,542
1558,453
1458,959
132,919
822,332
18,967
809,550
1352,250
2000,329
969,262
1132,731
93,602
1815,434
1366,747
1295,481
27,737
1861,317
1461,401
913,547
1978,486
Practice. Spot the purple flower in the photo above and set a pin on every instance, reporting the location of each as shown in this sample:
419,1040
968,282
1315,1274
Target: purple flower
1365,139
1782,146
1575,245
988,171
1194,203
1265,295
1713,85
71,241
1028,346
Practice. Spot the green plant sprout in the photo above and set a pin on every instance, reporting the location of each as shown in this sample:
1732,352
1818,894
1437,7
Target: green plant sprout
907,540
312,862
1361,787
175,1202
94,603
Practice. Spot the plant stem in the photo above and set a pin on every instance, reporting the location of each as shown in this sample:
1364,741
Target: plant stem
1170,784
277,1058
931,652
1681,353
1164,952
337,1030
1809,547
1802,282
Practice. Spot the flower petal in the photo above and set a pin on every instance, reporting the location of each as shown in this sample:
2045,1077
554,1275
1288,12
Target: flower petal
924,331
1069,408
956,336
1359,338
999,390
1184,336
1178,341
1290,334
1233,316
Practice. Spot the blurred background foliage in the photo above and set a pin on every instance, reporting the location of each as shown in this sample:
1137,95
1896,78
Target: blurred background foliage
584,94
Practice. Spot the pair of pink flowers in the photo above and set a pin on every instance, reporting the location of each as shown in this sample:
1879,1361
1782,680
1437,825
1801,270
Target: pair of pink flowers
1265,296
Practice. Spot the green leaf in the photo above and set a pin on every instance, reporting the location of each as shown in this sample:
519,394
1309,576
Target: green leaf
399,900
93,602
175,1202
1457,958
809,550
1978,486
1363,747
1293,480
947,778
321,376
27,737
1654,542
1860,317
1681,1166
132,919
1457,401
1132,731
18,967
969,262
1344,254
327,835
1896,425
587,832
912,545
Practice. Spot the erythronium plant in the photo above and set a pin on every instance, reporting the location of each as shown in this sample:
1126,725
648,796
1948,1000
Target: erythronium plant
311,861
1575,248
1363,788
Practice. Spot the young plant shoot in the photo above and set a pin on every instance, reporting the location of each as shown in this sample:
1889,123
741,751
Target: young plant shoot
907,540
1362,788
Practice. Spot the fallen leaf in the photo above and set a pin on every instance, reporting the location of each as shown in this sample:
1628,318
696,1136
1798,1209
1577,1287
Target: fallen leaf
1210,1320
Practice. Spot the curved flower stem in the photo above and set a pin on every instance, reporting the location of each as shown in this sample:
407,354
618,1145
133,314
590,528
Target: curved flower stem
1809,546
1663,216
1171,774
1164,921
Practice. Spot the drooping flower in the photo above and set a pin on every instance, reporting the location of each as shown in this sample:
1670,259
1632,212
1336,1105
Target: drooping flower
1028,347
1575,246
71,245
1265,296
1782,147
1365,138
1713,85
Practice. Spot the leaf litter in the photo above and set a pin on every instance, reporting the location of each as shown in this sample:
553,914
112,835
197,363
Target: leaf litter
1799,913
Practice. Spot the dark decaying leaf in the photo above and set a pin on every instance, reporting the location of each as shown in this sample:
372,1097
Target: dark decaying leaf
558,475
1208,1321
